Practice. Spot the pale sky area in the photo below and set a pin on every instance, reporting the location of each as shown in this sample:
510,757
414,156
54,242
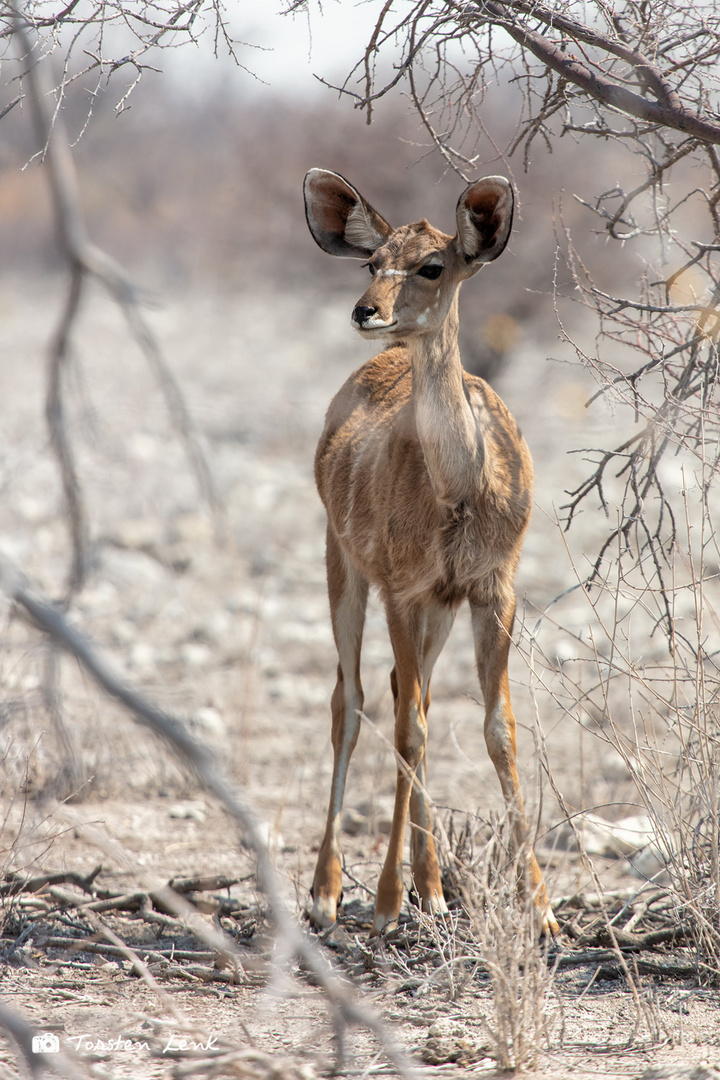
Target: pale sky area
325,41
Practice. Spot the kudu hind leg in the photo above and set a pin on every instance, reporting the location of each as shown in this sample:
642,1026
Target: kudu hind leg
347,590
492,629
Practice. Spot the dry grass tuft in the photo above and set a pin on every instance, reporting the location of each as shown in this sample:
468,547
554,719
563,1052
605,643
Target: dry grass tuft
484,876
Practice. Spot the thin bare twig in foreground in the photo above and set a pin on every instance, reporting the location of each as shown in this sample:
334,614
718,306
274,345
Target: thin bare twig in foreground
38,1064
345,1009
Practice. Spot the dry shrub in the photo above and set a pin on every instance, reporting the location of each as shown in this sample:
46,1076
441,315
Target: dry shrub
484,875
633,660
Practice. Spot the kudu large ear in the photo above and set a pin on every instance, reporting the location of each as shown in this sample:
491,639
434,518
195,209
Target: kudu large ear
484,220
338,217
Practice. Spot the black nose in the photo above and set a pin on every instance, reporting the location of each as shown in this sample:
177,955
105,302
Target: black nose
361,314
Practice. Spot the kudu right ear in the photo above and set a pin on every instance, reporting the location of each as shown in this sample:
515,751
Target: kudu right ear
484,219
338,217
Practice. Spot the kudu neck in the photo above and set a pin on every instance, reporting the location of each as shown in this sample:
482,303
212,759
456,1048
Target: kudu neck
446,425
437,350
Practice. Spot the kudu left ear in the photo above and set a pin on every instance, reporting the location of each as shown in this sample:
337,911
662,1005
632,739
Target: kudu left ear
484,220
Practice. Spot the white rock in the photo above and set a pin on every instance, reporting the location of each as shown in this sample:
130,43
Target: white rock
143,446
196,653
143,656
630,837
370,816
210,720
190,810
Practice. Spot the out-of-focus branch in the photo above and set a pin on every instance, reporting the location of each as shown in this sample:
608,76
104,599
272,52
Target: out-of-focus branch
55,415
38,1064
74,243
86,260
344,1006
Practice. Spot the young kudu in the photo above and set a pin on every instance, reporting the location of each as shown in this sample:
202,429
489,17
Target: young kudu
426,480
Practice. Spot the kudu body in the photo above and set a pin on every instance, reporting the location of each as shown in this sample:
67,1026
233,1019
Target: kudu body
427,482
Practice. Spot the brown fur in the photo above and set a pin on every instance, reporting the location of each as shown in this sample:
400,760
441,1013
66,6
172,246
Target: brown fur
371,475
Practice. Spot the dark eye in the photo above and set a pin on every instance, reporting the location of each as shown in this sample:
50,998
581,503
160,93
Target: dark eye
431,271
371,268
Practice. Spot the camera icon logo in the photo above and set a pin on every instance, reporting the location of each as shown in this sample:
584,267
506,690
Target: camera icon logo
47,1043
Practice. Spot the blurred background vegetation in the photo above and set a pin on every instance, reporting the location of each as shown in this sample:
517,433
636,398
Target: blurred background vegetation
204,192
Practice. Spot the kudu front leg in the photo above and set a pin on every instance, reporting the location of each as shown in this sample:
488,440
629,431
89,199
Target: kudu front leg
410,695
492,629
438,622
425,869
348,599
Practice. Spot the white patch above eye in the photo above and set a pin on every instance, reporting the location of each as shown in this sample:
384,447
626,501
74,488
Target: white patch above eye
390,273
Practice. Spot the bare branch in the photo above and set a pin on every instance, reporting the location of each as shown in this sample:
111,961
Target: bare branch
669,112
85,260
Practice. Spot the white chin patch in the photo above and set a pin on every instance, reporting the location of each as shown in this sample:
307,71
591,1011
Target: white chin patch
373,324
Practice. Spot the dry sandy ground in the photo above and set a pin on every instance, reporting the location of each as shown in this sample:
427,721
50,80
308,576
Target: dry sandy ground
236,640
